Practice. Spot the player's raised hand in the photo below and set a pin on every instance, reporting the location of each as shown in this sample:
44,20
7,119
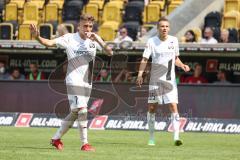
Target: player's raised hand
186,68
139,81
34,30
92,36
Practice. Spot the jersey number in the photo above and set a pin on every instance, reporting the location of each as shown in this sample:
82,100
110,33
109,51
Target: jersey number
76,99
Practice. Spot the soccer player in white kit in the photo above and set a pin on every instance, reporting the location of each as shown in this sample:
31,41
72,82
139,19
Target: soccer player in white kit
81,49
164,51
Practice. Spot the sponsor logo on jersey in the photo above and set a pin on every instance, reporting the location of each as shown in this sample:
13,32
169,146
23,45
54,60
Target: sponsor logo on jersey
171,45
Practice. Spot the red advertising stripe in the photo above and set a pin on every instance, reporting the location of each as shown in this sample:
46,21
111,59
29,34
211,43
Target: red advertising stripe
23,120
98,122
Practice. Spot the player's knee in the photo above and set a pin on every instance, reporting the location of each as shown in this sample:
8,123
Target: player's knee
82,117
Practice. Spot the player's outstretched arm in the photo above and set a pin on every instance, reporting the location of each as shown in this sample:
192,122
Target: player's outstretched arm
98,39
179,63
141,70
46,42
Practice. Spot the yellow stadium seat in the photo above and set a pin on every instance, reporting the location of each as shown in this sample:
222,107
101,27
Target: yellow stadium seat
30,14
39,3
93,10
24,32
6,31
108,30
153,12
160,3
230,5
231,20
11,13
100,3
119,4
112,13
51,12
173,6
20,3
58,2
198,33
144,15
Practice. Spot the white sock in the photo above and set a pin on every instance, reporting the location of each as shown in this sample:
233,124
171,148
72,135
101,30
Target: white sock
82,125
175,123
151,124
65,125
83,134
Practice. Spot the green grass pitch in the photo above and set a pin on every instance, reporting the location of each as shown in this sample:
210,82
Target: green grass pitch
33,144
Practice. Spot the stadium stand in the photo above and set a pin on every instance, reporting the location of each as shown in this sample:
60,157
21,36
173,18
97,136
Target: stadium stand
109,15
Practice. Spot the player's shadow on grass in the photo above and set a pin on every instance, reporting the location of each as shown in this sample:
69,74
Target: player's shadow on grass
110,143
30,147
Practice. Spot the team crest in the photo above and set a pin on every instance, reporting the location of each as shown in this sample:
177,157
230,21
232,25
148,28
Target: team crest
171,46
92,45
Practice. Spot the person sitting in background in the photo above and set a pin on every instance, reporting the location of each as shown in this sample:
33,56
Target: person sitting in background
16,75
125,76
35,74
3,72
208,36
222,77
197,76
123,36
190,37
142,33
61,30
104,76
224,37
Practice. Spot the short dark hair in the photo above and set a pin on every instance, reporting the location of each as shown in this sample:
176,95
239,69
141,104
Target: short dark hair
162,19
87,17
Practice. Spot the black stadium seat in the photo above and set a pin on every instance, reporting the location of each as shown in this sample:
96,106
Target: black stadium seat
133,28
6,31
72,10
133,11
233,35
213,19
216,33
46,30
1,10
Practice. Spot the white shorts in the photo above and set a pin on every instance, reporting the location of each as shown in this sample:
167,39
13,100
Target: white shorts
163,94
78,96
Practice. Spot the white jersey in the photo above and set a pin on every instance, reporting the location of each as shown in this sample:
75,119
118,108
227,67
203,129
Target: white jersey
79,52
163,55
